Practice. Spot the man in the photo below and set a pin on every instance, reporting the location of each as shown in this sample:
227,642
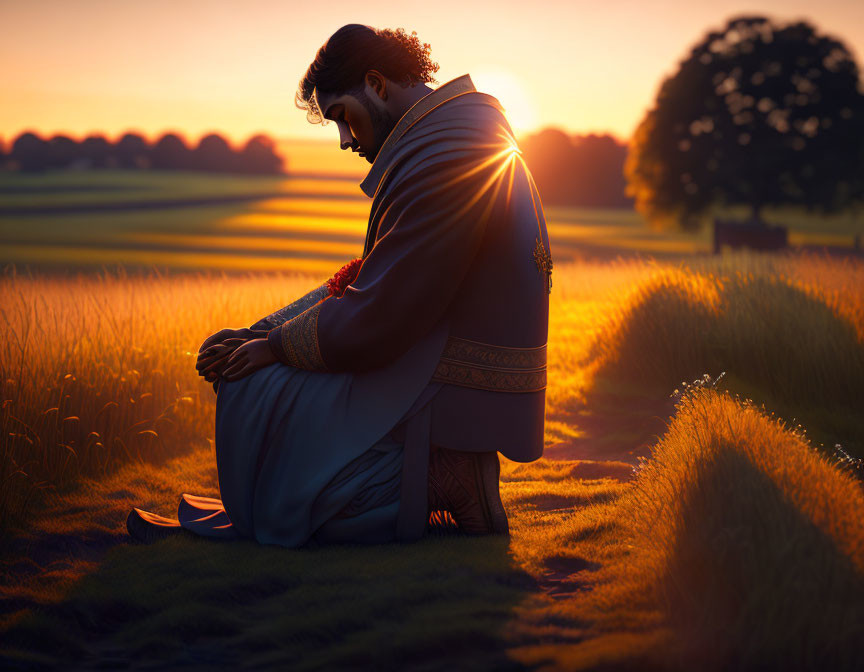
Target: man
353,415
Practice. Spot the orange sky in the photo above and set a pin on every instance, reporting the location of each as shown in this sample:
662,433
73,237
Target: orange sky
201,65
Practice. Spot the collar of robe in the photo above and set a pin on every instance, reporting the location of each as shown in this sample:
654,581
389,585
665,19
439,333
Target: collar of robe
445,92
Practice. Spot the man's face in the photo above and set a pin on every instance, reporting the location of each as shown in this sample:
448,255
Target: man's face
363,121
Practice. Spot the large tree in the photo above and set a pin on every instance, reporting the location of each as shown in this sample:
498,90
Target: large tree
759,113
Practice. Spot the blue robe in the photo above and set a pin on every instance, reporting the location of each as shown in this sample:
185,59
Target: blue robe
332,443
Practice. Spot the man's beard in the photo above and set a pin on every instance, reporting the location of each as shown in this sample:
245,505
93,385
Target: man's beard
382,123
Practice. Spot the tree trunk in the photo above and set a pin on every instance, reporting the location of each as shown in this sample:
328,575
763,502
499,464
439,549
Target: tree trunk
757,214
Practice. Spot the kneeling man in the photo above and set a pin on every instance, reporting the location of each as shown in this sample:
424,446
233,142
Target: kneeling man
383,397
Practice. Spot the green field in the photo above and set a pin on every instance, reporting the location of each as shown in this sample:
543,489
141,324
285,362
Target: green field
294,223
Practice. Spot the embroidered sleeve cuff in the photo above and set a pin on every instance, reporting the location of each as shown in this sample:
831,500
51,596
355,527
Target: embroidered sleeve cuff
274,339
295,343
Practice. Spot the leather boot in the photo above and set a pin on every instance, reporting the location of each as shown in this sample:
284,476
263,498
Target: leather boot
466,484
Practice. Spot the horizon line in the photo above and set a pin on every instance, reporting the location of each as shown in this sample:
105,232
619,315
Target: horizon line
6,140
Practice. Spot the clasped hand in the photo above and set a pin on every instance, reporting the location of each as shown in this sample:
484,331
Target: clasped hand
231,354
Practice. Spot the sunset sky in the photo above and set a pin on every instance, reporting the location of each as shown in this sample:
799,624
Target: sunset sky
201,65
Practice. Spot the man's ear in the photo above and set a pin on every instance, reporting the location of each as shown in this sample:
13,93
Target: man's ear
378,83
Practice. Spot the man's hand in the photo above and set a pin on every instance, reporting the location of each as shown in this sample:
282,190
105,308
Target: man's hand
213,353
248,358
225,334
214,359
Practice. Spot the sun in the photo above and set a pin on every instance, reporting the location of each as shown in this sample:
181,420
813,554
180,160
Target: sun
511,93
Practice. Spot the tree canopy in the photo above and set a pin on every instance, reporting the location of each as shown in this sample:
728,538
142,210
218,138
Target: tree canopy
759,114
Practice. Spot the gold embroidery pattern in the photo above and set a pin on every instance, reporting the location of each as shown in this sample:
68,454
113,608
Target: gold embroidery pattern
491,367
300,340
544,263
487,379
486,354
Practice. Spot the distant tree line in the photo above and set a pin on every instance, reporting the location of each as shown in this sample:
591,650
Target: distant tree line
30,152
582,170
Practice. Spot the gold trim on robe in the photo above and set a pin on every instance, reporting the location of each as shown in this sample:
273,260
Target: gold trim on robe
496,368
296,342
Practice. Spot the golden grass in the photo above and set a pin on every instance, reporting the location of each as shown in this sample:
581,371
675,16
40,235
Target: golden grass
737,546
99,369
114,355
787,332
716,556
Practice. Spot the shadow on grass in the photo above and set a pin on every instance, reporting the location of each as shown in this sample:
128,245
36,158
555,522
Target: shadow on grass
781,345
744,584
788,347
190,602
79,594
96,600
737,546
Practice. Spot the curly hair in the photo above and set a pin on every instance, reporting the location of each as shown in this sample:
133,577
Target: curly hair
341,64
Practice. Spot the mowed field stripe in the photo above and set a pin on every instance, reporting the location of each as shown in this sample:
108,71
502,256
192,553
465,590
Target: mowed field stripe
623,237
319,207
275,234
325,188
262,247
281,222
181,259
23,204
326,249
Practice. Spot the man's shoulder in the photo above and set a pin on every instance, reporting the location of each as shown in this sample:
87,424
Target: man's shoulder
470,124
455,113
479,110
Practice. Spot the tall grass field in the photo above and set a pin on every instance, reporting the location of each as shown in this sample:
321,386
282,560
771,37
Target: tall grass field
670,525
722,548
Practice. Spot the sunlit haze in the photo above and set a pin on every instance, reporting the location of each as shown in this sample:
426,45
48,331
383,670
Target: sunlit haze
198,66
